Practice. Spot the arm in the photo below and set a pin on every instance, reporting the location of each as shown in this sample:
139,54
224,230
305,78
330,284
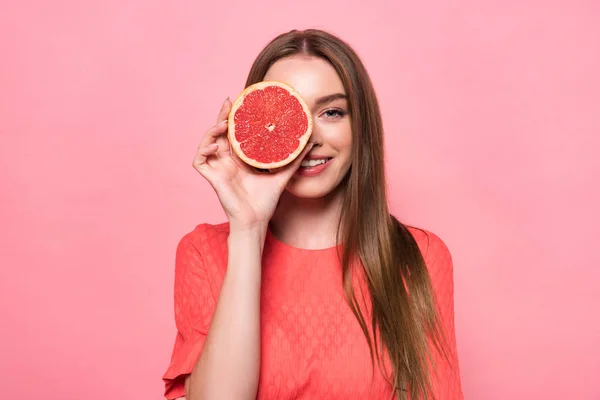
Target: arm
447,384
229,365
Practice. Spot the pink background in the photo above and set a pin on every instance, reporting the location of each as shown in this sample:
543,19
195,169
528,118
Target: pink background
492,116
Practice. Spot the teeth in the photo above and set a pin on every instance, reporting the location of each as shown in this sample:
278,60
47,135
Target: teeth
312,163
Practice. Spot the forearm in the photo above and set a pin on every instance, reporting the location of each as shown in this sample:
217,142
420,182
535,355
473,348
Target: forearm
229,365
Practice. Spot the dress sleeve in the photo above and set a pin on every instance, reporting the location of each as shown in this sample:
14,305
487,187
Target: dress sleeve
194,307
446,378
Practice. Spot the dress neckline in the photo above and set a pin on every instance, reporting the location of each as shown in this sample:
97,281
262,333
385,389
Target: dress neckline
275,242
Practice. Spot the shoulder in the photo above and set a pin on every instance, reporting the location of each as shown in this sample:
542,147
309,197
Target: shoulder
201,260
202,249
438,261
206,237
436,253
429,242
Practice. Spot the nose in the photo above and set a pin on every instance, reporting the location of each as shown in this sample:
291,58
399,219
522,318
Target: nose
315,138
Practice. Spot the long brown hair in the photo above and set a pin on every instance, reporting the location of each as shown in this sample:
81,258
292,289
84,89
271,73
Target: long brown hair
376,246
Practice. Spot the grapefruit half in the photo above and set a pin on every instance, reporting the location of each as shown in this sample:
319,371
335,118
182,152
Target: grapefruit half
269,125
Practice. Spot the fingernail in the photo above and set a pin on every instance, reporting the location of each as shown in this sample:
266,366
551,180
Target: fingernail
223,122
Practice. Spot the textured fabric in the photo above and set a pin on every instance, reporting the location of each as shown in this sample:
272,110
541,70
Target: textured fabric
312,346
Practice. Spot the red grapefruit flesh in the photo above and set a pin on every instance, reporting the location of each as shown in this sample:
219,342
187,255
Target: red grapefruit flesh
269,125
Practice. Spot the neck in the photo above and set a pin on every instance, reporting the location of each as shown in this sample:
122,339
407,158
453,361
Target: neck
308,223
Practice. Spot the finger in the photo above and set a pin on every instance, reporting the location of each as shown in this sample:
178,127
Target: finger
224,146
208,150
224,112
206,171
213,133
202,154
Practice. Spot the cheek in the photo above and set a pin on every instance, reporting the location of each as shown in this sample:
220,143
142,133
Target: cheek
345,142
340,138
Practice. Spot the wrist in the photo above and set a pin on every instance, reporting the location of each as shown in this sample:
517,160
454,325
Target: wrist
244,238
245,228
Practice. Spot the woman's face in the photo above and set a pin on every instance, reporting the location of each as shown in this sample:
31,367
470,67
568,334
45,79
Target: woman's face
329,160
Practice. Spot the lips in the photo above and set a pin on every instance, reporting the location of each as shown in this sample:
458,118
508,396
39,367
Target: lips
313,166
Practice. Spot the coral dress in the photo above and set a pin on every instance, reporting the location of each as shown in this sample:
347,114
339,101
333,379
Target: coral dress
312,346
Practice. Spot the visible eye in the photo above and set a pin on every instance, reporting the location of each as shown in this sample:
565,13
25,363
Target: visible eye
334,113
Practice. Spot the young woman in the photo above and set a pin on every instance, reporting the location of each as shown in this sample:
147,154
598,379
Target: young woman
312,290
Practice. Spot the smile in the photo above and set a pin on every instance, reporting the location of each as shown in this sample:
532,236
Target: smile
313,163
313,167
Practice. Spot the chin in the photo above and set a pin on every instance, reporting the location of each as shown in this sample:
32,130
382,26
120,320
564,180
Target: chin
307,194
310,188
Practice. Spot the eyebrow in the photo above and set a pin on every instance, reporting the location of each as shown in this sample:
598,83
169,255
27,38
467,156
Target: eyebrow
329,98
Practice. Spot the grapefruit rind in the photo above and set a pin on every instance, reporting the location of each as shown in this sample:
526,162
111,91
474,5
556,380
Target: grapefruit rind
236,146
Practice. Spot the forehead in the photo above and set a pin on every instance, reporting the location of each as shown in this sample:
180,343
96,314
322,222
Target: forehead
311,76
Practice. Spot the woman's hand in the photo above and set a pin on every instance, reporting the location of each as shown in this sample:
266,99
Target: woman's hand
248,197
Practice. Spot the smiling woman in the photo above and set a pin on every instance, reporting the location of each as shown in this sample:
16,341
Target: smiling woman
312,290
